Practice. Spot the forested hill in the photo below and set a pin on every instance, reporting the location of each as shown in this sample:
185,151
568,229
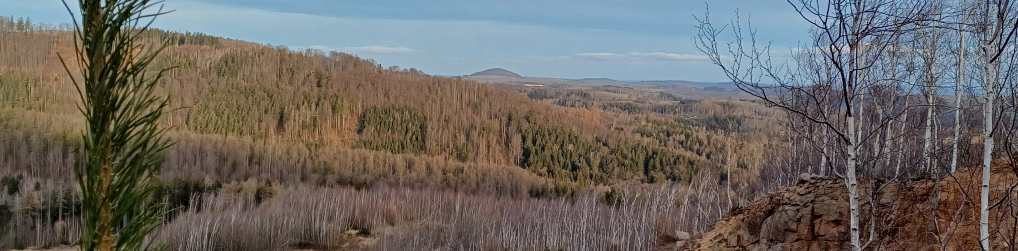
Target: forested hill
249,110
497,72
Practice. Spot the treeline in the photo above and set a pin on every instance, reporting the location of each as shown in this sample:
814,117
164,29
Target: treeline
25,24
185,38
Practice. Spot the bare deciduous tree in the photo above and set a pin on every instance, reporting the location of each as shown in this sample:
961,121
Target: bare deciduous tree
995,26
849,37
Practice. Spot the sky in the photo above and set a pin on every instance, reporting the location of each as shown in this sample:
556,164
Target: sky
618,39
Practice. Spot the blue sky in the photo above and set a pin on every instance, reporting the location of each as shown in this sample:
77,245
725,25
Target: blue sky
620,39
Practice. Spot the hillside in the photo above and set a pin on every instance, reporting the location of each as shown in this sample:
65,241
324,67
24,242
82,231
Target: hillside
496,72
274,148
232,95
251,121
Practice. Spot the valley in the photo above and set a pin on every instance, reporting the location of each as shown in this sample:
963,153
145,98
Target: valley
493,125
253,121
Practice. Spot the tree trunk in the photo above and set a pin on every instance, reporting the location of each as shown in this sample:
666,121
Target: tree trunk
928,135
901,140
852,182
984,195
823,157
957,97
729,164
931,97
105,150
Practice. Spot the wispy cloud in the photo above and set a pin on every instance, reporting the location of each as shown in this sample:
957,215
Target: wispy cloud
668,56
639,56
374,49
599,56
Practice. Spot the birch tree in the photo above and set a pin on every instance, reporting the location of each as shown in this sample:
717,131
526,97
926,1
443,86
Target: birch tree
995,26
850,37
959,84
929,38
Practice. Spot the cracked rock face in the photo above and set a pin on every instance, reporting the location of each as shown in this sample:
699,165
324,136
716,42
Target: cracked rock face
791,218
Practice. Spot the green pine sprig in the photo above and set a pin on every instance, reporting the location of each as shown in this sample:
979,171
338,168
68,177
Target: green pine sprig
123,139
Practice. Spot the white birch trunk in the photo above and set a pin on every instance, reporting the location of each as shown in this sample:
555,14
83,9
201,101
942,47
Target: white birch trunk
931,94
957,96
901,151
852,182
888,142
928,136
729,164
984,196
823,158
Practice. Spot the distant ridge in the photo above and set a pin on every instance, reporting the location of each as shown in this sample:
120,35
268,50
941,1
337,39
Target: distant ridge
497,72
603,80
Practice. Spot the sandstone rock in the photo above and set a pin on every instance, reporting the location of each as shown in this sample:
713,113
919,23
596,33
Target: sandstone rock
806,177
800,245
779,247
830,210
775,226
804,226
680,235
803,217
665,239
745,238
757,247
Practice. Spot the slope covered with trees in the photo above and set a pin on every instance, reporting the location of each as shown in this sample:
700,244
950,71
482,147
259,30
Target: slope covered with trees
238,90
252,119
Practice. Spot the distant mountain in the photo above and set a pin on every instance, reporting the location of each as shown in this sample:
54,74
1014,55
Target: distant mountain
600,80
496,72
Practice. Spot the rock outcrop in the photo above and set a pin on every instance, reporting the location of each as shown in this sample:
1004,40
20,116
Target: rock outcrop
810,216
919,214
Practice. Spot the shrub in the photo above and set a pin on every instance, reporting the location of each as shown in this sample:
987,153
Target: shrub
179,193
264,192
6,215
11,184
612,197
